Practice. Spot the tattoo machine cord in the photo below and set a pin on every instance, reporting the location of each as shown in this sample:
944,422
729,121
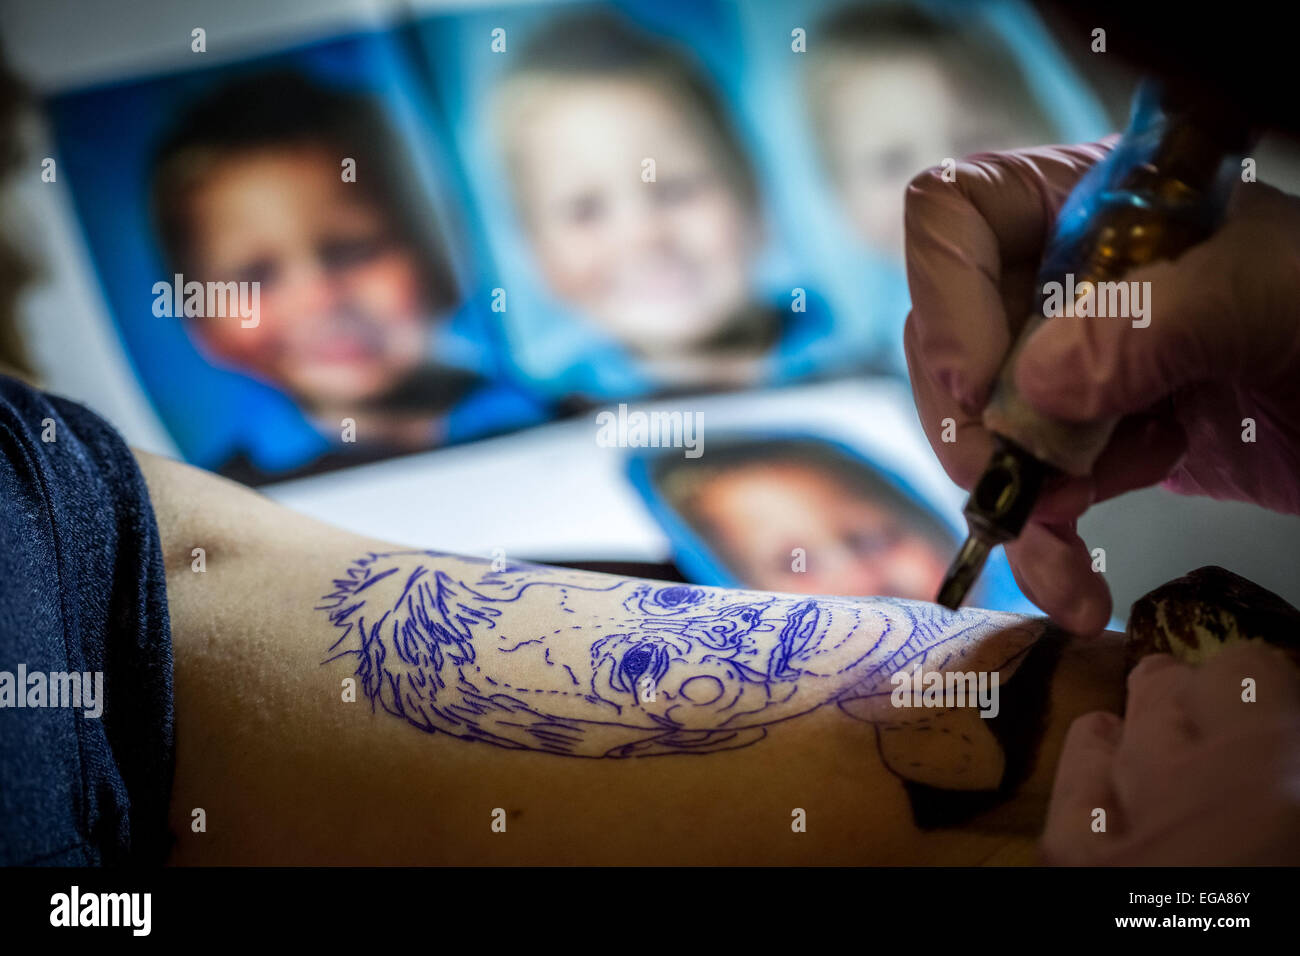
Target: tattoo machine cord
1163,189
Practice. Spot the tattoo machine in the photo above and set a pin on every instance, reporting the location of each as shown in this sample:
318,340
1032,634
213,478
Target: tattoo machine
1161,190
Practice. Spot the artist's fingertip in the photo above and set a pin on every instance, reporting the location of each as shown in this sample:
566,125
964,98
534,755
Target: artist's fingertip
1057,568
1022,580
1088,614
1091,611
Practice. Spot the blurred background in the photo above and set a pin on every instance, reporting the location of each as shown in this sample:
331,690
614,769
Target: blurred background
473,227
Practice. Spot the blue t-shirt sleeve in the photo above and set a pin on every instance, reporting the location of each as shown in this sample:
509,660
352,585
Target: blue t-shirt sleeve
82,591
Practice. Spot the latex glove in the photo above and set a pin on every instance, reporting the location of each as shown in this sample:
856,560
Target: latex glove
1192,775
1223,345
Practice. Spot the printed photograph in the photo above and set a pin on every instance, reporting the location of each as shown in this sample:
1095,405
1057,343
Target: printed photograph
686,443
299,214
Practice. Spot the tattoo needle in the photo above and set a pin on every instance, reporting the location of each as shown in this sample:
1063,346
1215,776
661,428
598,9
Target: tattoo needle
998,508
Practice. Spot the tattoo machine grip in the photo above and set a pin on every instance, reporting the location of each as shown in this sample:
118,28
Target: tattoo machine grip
1160,191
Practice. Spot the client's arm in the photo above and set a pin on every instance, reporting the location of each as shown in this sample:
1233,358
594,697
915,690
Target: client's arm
340,699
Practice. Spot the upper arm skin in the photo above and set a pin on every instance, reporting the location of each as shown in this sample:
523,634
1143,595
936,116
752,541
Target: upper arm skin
606,720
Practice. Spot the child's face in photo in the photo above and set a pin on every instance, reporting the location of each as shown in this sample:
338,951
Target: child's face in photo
854,546
661,266
890,116
342,315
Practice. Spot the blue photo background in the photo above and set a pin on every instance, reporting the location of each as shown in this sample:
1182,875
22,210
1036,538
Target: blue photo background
858,297
551,347
868,290
106,137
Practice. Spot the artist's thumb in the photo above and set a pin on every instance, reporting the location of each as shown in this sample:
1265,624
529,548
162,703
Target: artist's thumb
1213,314
1087,368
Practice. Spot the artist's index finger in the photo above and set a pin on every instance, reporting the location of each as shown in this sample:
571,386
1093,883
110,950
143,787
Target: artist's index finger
969,229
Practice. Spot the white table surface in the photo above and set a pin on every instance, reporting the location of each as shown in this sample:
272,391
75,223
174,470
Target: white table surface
552,493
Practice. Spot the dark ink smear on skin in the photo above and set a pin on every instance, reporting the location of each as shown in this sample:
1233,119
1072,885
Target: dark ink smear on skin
1018,729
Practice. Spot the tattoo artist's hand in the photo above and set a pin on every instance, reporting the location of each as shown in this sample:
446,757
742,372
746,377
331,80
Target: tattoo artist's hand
1223,345
1193,775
